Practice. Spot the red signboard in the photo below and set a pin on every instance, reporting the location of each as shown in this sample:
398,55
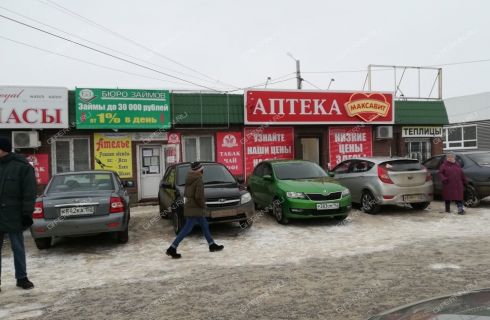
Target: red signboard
349,142
174,138
229,151
318,107
40,163
265,143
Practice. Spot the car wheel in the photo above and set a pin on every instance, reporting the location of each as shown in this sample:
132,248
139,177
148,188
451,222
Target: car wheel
123,236
43,243
419,205
278,212
471,198
178,221
369,203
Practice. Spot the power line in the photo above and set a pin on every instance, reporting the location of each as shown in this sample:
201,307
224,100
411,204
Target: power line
312,84
102,27
105,53
260,84
385,69
100,45
458,63
266,82
85,61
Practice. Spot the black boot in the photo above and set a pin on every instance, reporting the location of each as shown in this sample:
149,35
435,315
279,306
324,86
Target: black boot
171,251
461,211
25,284
214,247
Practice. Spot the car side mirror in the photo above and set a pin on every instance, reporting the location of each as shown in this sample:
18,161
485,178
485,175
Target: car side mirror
165,185
240,180
267,177
128,184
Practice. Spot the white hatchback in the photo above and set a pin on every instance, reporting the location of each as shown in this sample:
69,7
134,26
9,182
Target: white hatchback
377,181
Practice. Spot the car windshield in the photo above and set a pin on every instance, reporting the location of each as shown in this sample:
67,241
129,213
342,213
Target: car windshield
482,159
402,165
298,170
81,182
213,173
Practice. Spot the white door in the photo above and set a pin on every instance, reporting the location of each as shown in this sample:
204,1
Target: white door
151,168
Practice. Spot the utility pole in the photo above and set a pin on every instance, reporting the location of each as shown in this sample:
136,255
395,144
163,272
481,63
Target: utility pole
299,80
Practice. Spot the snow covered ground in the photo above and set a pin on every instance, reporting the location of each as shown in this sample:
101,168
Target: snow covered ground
319,269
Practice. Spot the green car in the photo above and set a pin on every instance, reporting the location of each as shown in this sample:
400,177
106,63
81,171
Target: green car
297,189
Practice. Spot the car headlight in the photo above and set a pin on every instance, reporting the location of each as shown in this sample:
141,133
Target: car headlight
246,197
295,195
346,193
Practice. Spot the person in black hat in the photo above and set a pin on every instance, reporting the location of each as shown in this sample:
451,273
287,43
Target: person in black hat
17,198
194,204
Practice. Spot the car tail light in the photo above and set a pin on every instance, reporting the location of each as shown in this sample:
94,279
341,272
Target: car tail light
383,175
117,205
428,176
38,210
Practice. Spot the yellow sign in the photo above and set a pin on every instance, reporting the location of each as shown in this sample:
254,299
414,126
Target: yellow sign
112,151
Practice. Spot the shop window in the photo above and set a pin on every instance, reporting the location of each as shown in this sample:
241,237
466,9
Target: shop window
460,137
420,149
71,154
198,148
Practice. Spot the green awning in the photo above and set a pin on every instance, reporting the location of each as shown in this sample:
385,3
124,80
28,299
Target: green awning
205,109
420,112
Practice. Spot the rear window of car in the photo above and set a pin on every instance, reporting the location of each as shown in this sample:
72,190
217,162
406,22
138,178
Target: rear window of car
482,159
402,165
81,182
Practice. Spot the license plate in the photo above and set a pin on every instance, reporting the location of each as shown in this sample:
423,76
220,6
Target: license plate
223,213
414,198
327,206
76,211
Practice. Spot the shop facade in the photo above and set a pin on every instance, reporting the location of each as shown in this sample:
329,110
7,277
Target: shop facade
469,123
139,133
418,131
29,116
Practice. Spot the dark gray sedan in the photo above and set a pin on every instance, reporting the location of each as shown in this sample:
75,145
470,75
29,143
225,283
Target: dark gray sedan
476,168
81,203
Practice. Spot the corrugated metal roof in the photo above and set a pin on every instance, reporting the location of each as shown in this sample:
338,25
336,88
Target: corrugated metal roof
204,109
420,112
475,107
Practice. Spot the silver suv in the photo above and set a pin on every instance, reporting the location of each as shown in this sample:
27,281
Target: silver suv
380,181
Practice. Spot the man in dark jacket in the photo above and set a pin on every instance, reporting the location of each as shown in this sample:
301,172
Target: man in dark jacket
17,198
194,204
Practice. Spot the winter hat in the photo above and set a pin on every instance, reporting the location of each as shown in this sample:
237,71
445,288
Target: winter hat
196,166
5,145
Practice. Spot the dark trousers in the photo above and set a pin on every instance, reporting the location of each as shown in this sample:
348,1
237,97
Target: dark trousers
190,222
458,203
17,244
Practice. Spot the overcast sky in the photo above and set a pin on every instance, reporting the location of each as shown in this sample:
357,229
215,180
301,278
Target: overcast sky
226,45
